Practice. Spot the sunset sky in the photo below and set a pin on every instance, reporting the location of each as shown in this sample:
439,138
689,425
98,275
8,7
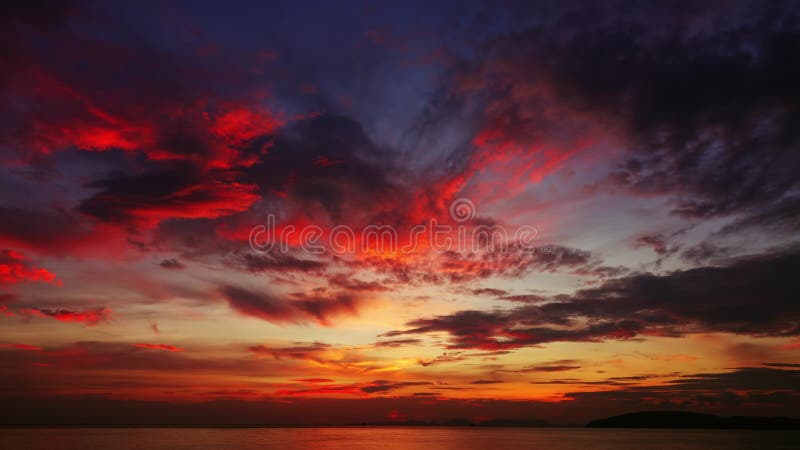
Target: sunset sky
654,147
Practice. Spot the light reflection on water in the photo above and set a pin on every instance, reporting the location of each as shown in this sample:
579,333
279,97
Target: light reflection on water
394,438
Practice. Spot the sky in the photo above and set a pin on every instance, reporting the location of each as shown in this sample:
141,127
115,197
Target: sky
344,212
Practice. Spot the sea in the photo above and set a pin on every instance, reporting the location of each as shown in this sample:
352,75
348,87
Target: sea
354,438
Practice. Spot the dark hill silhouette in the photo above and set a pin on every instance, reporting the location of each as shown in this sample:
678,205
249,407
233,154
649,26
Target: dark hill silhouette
680,419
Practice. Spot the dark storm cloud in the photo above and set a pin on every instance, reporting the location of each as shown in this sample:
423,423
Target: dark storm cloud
18,18
349,283
782,214
329,161
276,309
741,388
44,230
172,264
751,295
280,262
782,365
704,253
705,96
524,298
120,193
177,190
744,379
513,261
715,114
658,242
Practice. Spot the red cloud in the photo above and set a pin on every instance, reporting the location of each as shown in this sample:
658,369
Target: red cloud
169,348
88,317
183,191
239,125
14,269
26,347
56,110
200,129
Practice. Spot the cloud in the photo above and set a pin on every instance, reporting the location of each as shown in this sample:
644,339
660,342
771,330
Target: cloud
127,150
159,114
489,291
707,111
743,391
658,242
751,296
705,252
748,379
512,261
385,386
310,351
87,316
172,264
443,358
280,262
524,298
317,308
398,342
102,364
25,347
179,191
347,389
14,268
167,347
782,365
353,284
554,366
47,232
736,385
373,387
166,147
781,216
358,178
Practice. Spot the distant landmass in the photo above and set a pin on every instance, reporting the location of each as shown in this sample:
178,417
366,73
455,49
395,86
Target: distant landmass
463,423
679,419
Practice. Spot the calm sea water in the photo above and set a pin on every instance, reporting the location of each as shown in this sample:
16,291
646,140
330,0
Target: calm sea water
393,438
